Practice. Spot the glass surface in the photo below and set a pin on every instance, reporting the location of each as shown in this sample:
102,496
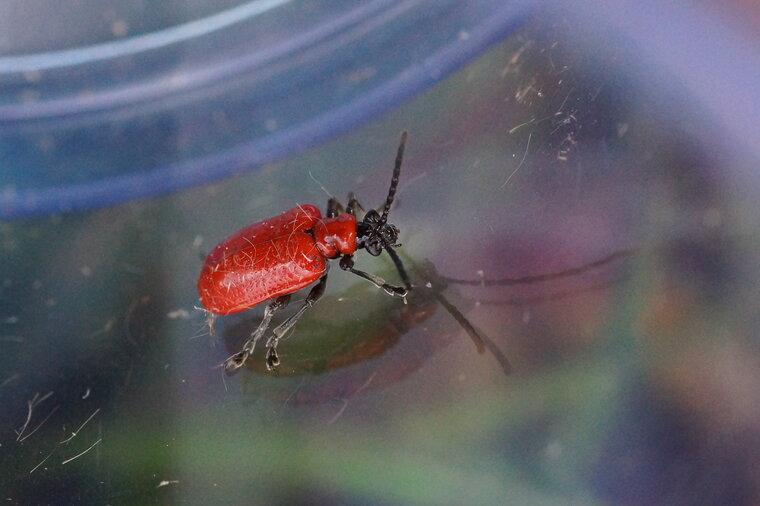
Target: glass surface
634,368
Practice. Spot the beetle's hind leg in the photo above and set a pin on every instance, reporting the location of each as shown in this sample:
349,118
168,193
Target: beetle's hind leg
279,332
237,360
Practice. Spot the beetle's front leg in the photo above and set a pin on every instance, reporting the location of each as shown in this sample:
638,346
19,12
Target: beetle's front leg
314,295
399,267
237,360
347,264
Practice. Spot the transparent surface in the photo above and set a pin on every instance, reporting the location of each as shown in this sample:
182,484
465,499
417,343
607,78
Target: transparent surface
205,90
633,382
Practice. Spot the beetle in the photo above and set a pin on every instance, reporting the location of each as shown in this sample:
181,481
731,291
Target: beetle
273,258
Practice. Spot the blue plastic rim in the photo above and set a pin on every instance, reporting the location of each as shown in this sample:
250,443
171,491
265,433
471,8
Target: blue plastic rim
103,124
189,103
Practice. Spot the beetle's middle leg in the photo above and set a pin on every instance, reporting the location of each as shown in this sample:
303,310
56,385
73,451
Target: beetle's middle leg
314,295
237,360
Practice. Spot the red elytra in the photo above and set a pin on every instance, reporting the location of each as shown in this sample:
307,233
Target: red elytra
274,258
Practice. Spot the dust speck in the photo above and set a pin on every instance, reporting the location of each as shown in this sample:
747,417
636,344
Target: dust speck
183,314
120,28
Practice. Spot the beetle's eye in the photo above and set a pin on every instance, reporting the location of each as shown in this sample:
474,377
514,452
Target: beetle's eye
372,217
392,235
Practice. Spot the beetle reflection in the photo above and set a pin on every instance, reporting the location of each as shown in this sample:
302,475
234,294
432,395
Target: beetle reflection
343,356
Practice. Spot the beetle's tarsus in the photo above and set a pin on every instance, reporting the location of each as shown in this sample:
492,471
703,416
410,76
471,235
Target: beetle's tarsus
272,359
235,362
396,291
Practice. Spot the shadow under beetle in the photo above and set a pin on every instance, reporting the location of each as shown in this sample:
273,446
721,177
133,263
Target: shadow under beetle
274,258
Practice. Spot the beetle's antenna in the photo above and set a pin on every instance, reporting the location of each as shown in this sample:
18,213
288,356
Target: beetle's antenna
482,342
394,180
526,280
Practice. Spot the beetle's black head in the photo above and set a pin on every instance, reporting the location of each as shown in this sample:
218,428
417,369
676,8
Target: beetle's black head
375,235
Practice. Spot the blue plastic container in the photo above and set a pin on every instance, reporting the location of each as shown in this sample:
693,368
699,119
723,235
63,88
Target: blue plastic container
95,119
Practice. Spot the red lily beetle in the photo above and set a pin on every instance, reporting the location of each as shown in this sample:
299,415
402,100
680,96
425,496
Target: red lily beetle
274,258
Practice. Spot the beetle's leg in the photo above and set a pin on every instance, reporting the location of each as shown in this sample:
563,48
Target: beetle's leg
353,205
334,208
399,267
347,264
237,360
314,295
